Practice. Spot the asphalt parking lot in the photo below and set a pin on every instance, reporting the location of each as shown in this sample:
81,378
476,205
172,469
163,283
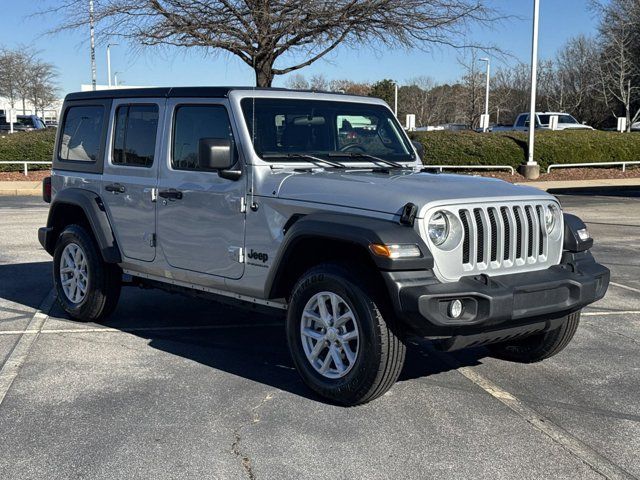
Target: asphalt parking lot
172,387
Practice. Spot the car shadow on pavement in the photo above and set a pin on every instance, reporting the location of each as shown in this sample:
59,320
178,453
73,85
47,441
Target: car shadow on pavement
25,283
629,191
246,343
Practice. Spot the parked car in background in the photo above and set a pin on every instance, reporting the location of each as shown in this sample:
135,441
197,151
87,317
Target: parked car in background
635,127
565,122
25,123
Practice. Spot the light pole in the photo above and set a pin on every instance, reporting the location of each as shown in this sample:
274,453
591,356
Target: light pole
115,79
109,61
531,169
93,45
486,95
395,102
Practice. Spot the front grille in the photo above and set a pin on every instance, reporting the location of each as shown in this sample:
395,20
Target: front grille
501,236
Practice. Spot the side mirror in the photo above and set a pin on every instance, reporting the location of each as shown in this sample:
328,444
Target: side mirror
419,148
218,154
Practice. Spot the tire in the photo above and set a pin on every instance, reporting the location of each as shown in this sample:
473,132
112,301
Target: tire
372,360
102,281
540,346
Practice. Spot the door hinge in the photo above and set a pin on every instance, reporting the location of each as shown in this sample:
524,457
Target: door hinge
154,194
243,205
237,254
152,240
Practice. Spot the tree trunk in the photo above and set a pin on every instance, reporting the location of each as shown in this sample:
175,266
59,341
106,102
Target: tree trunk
264,74
24,108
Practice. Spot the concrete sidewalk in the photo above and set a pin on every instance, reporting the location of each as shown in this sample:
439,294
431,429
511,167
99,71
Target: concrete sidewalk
30,188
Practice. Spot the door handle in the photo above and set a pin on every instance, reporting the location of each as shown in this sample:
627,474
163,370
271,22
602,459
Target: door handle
115,188
171,193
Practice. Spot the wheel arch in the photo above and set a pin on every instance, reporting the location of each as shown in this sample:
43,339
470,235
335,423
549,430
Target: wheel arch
322,237
85,208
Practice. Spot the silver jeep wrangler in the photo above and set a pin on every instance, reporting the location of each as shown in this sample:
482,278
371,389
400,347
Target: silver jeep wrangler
318,205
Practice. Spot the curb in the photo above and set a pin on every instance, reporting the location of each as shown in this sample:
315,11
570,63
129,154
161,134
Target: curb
19,192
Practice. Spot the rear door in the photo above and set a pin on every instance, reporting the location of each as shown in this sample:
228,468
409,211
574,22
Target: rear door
201,221
131,174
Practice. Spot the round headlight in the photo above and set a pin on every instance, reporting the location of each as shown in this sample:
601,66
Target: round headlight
438,228
550,216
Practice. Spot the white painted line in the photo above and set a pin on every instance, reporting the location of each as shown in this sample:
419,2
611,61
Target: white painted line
615,312
19,353
136,329
637,290
560,436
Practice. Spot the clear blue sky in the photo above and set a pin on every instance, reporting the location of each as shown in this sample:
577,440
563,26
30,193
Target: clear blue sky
559,20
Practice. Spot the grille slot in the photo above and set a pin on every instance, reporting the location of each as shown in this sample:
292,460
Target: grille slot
507,233
530,237
516,211
480,235
541,230
494,234
465,242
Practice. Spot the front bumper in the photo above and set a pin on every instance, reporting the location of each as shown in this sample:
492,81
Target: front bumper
499,303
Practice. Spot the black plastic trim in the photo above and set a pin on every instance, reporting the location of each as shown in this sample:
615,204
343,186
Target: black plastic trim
355,229
93,208
572,241
498,302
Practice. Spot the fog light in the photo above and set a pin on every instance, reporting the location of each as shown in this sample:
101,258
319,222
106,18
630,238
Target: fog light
455,309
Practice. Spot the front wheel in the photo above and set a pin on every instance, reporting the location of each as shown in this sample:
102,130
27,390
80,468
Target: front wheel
88,288
340,343
538,347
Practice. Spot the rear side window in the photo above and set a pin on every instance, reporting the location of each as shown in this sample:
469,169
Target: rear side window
81,133
191,123
134,141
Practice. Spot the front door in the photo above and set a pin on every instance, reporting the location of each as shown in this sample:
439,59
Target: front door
131,174
200,216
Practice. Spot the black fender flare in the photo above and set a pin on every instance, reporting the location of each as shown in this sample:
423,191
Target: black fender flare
93,208
355,229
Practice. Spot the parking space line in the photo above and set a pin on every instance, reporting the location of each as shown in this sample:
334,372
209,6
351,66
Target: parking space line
138,329
626,287
576,447
613,312
18,355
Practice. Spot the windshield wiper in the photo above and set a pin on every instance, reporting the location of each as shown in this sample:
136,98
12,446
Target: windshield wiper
304,156
367,156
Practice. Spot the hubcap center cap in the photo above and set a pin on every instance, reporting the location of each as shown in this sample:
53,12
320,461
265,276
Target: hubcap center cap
332,335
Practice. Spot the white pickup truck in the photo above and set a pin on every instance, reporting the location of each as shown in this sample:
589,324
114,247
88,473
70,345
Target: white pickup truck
565,122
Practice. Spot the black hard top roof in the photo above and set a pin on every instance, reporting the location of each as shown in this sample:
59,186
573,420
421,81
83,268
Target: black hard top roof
155,92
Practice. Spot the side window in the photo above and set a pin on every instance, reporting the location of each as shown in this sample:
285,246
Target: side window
134,142
522,119
81,133
190,124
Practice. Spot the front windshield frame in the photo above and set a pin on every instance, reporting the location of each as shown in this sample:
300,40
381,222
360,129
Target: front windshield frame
331,109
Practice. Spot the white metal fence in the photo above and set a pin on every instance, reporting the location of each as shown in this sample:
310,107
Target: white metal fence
24,163
593,164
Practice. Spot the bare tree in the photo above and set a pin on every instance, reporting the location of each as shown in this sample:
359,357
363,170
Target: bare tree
619,65
42,87
266,34
13,75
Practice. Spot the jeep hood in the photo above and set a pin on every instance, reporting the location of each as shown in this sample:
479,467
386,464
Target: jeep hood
388,193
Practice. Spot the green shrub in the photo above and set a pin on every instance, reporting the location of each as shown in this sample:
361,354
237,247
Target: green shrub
510,148
35,146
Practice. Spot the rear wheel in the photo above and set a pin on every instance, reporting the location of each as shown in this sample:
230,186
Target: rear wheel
340,343
88,288
540,346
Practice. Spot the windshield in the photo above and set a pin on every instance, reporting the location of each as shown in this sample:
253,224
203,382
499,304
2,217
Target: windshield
280,128
544,119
